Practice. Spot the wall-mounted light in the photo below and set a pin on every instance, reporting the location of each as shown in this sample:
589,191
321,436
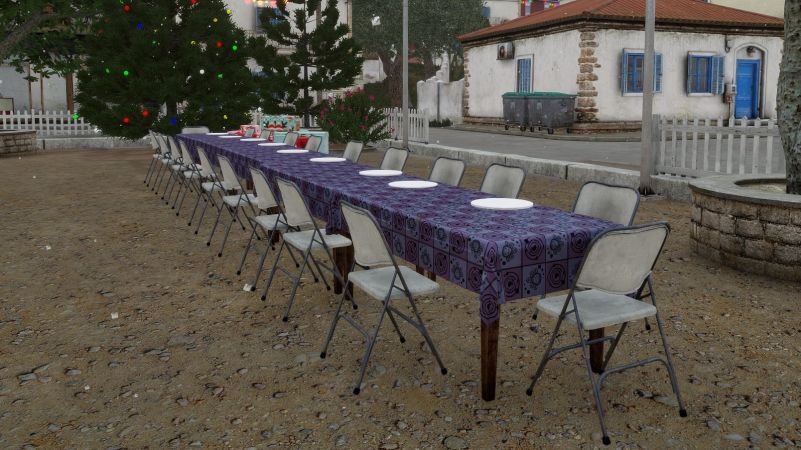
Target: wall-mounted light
727,44
751,50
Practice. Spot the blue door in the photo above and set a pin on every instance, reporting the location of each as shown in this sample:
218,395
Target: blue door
748,82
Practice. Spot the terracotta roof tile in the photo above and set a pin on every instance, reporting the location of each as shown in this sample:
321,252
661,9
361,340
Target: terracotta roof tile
691,12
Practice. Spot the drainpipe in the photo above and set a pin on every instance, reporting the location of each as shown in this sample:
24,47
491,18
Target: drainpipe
439,95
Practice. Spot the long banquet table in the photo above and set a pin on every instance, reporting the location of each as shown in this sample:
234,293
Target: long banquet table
501,255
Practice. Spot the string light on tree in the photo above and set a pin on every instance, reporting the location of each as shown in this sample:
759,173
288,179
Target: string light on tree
125,120
145,113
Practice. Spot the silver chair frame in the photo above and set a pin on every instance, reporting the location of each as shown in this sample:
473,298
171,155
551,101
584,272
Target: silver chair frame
157,151
317,237
224,206
584,344
387,310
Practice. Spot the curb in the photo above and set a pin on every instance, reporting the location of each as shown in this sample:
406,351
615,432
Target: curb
553,137
671,187
105,142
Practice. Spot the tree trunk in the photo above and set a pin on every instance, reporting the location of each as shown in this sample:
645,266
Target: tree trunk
789,95
16,36
394,71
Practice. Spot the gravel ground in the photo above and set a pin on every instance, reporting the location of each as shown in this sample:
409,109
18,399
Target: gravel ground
120,328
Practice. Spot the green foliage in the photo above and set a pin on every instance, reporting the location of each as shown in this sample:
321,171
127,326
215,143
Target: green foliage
165,54
45,33
353,117
324,59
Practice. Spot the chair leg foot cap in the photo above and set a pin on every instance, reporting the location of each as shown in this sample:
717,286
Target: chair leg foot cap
648,328
529,391
208,244
355,306
263,297
239,272
285,319
322,355
402,340
356,391
444,371
195,232
328,288
219,255
683,412
606,440
253,289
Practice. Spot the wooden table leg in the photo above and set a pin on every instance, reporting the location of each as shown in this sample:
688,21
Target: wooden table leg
489,358
343,259
597,351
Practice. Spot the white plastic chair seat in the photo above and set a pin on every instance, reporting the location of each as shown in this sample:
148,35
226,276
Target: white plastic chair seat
183,167
377,282
211,186
598,309
301,240
270,222
235,201
191,174
156,155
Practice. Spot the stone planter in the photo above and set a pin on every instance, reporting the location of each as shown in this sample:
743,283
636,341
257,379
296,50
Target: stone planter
12,142
741,226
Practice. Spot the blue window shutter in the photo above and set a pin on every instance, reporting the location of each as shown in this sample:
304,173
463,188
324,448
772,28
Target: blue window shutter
658,72
718,74
690,74
624,73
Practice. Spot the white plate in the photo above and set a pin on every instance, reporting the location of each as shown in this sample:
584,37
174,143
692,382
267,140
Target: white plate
230,136
216,134
293,151
502,204
272,144
253,140
327,160
413,184
381,173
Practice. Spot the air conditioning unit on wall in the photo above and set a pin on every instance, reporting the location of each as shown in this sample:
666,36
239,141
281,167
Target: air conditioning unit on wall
506,50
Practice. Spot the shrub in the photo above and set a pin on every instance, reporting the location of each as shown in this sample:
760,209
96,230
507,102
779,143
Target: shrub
352,117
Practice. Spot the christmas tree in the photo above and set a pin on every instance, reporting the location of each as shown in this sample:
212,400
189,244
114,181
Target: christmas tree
163,64
324,57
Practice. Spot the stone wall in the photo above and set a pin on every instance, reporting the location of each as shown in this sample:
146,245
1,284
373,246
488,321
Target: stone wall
586,102
17,142
759,234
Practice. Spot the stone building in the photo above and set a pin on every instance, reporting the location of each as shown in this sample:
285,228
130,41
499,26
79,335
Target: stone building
594,50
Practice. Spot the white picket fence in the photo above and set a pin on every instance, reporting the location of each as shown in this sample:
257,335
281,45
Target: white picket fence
704,147
418,124
47,123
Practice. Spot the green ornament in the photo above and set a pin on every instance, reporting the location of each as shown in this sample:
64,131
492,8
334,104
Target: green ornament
125,73
219,75
235,47
108,70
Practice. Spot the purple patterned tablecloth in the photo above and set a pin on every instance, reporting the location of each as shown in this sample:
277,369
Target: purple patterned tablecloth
501,255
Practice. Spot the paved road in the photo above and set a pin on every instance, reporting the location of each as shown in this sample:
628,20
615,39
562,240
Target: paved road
618,154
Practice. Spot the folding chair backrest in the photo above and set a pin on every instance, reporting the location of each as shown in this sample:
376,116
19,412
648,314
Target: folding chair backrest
369,246
619,261
447,171
503,181
162,144
291,138
195,130
205,165
175,152
295,210
227,170
313,144
353,151
264,193
394,159
185,155
153,142
616,204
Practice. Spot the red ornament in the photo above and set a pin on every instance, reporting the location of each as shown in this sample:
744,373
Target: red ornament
194,2
219,44
126,120
145,113
126,8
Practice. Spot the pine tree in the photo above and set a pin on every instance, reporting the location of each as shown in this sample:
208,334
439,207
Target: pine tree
323,59
164,64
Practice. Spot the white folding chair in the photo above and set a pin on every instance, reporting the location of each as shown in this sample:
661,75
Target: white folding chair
616,204
447,171
206,175
176,166
291,138
156,156
231,203
384,280
313,144
165,159
503,181
304,236
618,265
394,159
353,151
215,184
191,177
265,218
195,130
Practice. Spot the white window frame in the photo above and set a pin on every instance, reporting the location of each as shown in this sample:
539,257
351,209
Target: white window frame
531,75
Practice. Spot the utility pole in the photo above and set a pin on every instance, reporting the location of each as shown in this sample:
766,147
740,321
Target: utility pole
647,161
406,74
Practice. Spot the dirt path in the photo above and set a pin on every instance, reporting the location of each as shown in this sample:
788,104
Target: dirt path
194,361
